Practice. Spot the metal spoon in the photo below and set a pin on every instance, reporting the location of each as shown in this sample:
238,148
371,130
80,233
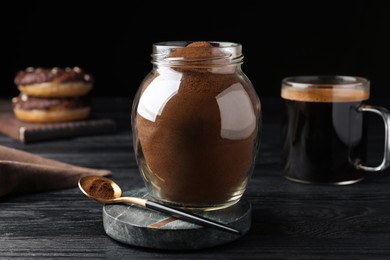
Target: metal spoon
115,197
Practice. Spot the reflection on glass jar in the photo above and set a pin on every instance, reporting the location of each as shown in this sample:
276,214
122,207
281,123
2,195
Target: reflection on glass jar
196,123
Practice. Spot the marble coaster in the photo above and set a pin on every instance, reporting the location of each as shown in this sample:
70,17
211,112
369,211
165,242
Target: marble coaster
137,226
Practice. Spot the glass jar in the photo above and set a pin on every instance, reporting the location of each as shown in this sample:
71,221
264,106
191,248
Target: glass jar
196,121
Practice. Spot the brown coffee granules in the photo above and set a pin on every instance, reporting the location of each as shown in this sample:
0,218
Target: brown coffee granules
188,161
196,50
99,189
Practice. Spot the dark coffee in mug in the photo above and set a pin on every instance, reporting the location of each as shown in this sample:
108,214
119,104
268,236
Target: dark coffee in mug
324,134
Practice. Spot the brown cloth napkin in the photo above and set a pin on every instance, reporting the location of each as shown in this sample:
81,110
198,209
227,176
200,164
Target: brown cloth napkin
22,172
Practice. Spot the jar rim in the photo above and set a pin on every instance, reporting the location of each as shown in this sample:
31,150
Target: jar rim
226,52
178,44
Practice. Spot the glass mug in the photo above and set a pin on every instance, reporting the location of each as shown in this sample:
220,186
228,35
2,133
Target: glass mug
324,132
196,121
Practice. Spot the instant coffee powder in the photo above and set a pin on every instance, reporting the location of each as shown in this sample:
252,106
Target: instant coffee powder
196,123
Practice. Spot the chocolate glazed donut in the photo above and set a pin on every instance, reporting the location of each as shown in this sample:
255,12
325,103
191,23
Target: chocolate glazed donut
56,82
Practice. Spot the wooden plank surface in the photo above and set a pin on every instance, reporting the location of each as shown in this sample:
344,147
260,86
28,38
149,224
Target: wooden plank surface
290,220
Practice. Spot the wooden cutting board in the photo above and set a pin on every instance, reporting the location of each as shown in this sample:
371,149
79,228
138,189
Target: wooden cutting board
33,132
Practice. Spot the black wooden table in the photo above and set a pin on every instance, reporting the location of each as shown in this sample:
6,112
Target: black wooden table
289,221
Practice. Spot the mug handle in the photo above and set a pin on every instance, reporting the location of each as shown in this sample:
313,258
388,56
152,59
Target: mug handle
384,113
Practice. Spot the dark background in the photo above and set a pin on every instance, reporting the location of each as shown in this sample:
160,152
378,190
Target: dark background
113,39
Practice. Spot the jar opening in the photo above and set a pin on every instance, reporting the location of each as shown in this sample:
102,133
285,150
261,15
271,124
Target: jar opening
195,53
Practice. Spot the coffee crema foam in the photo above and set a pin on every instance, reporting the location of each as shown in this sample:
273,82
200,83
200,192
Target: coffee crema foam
324,94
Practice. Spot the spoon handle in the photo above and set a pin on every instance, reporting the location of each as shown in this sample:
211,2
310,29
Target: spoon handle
189,217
